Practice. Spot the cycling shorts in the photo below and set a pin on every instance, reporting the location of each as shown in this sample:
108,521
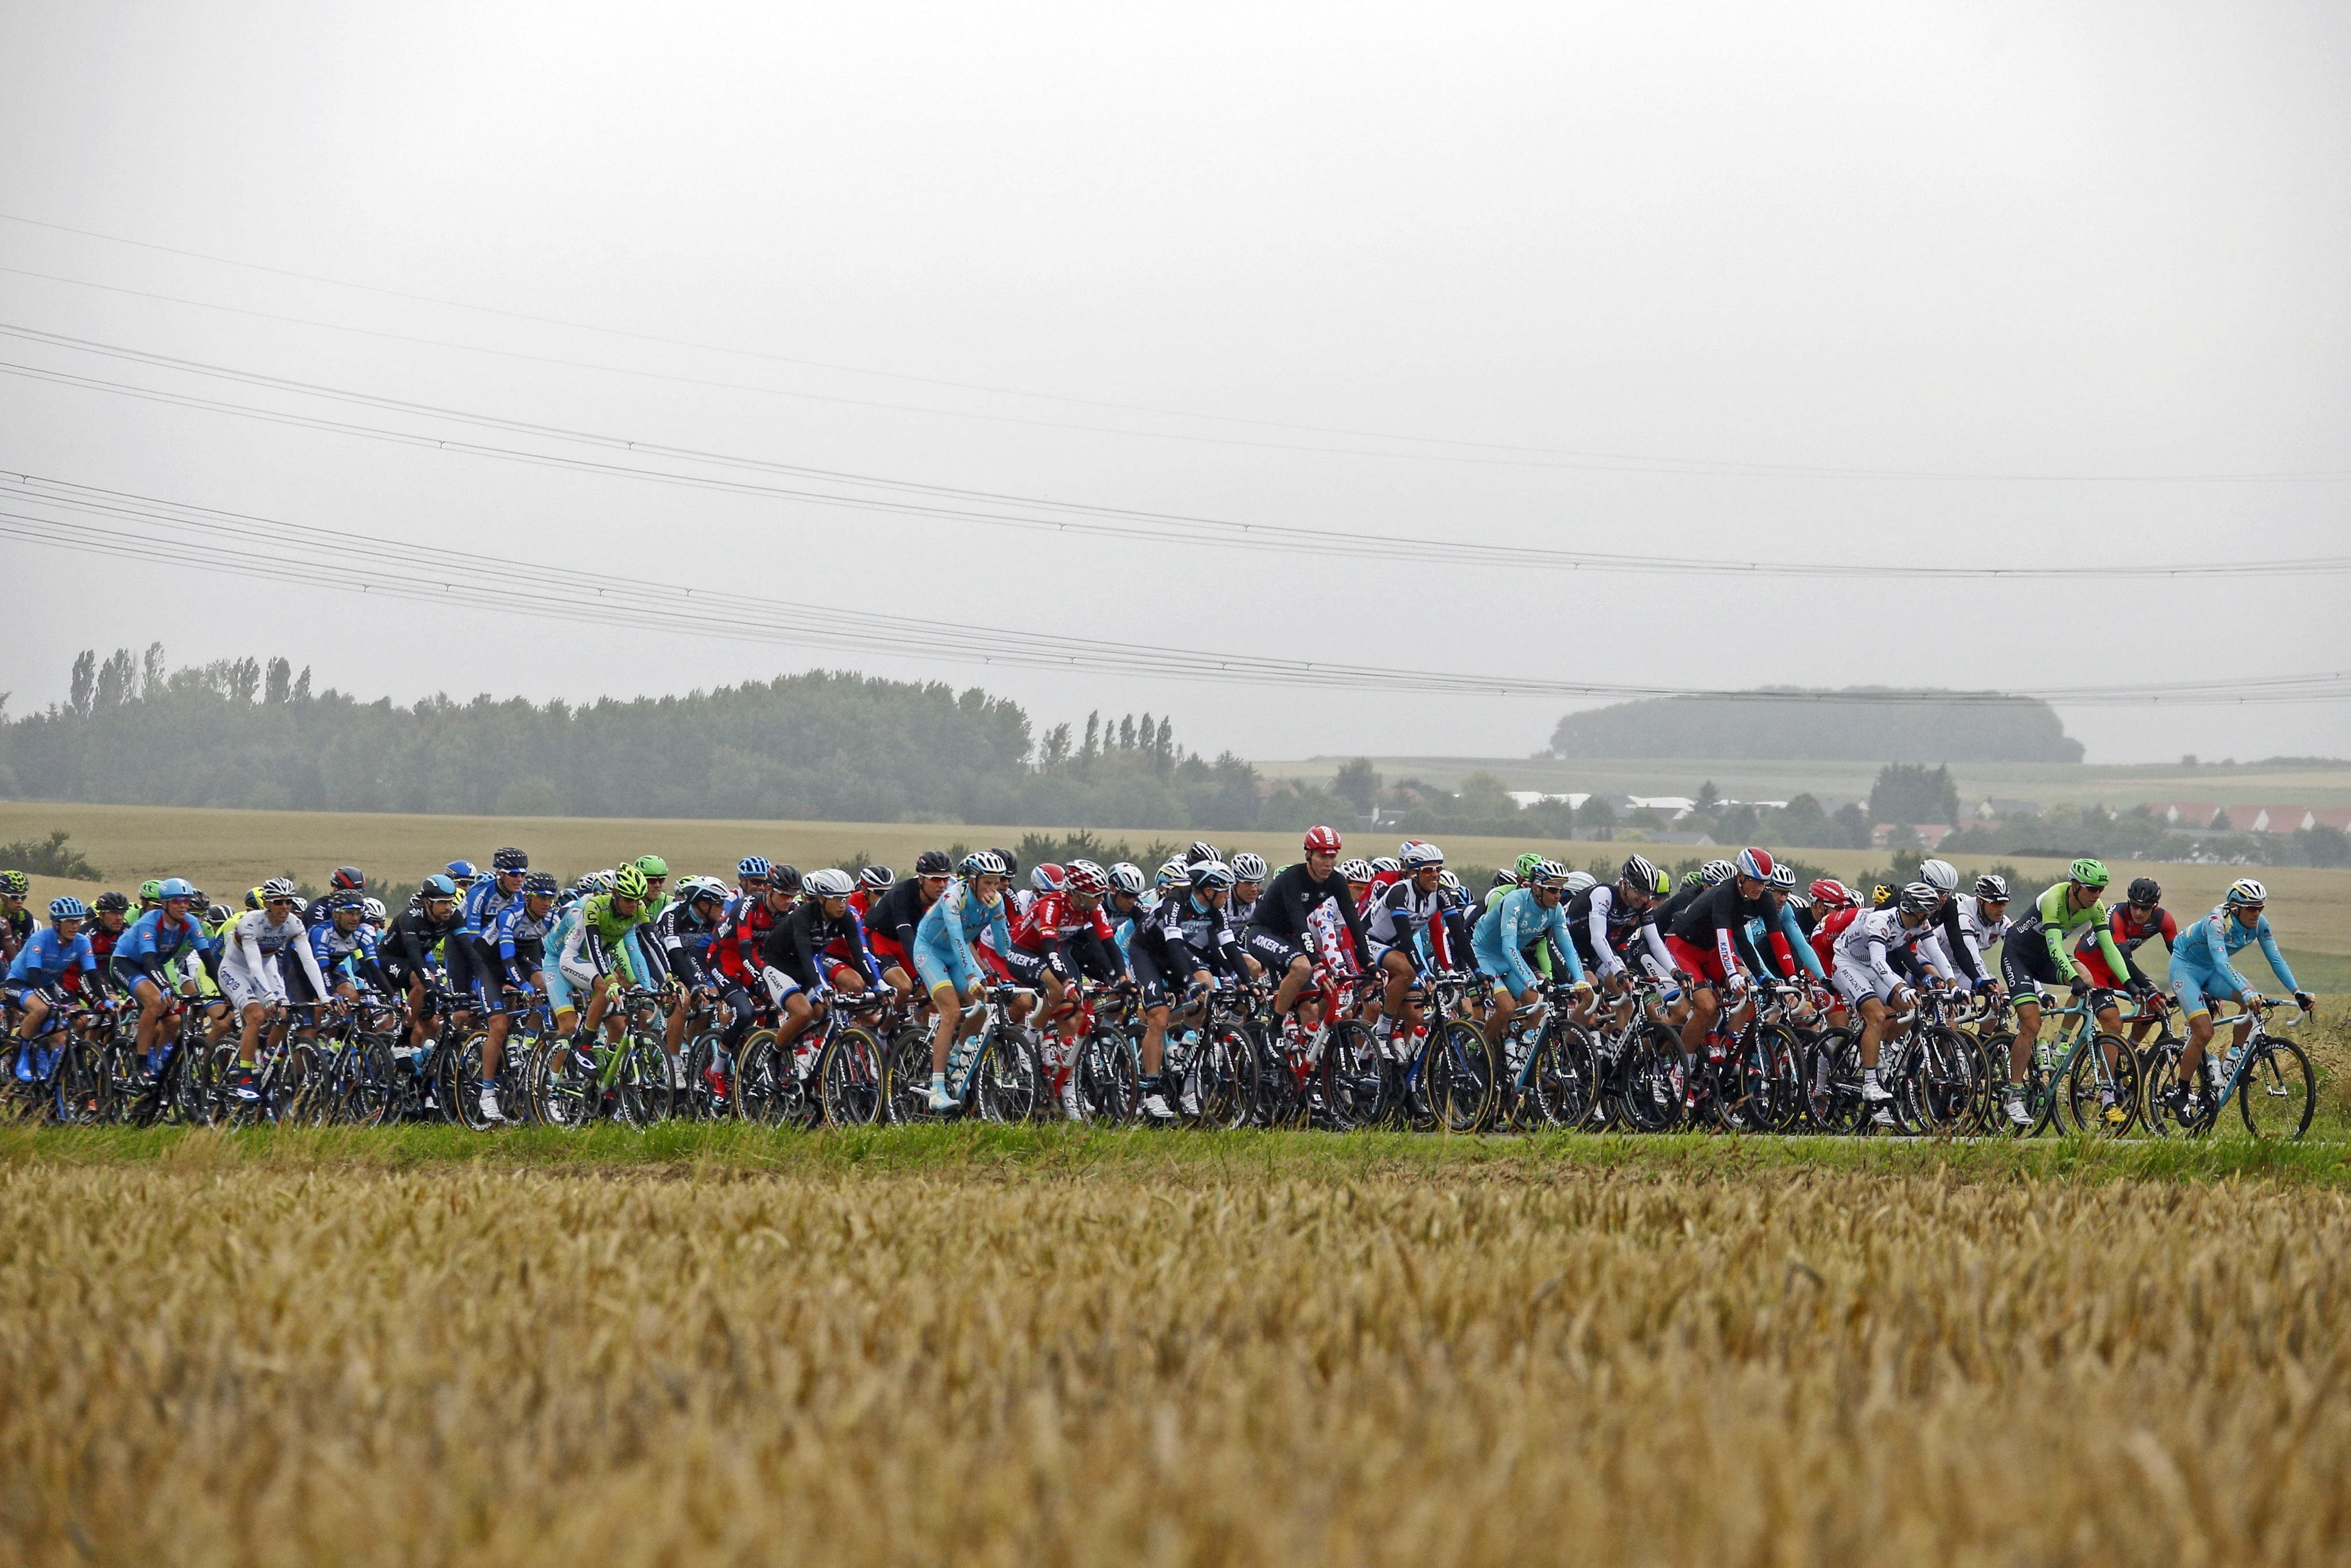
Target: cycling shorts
1856,984
2093,965
26,995
887,953
1147,977
2025,962
243,989
1270,948
294,980
1702,964
938,964
779,985
2198,988
1028,968
129,972
561,996
459,958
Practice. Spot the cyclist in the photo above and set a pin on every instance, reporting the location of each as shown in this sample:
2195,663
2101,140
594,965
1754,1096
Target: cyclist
734,965
1360,879
43,961
320,910
16,920
462,876
1983,920
1414,913
970,907
1704,943
680,938
153,944
1866,977
109,913
347,949
892,919
2201,972
2034,955
466,957
408,949
1249,885
1189,939
513,974
253,977
2132,925
792,961
1279,932
1605,919
1531,915
1063,937
750,883
596,947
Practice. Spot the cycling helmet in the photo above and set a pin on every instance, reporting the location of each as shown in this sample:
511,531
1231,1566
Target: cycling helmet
1171,872
1323,840
2088,873
1355,869
277,888
752,868
1642,876
653,866
460,872
1548,873
1798,902
1756,864
1940,875
1201,850
511,859
1386,865
1782,880
876,878
375,910
199,895
1506,877
2145,892
701,888
1126,877
347,879
112,903
593,882
541,882
149,891
1085,877
1048,878
1526,864
1881,895
983,863
1580,881
178,887
786,877
67,908
253,897
1921,898
436,886
1249,866
218,914
1691,879
14,883
1207,874
1448,882
934,862
2246,893
1714,872
829,883
1828,890
346,899
1011,862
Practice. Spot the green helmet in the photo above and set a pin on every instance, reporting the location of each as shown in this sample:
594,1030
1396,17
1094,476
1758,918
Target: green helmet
2089,872
628,882
653,866
14,883
151,890
1527,864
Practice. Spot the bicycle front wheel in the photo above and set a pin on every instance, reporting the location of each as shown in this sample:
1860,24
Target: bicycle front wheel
1566,1084
849,1079
2100,1093
1011,1086
2278,1091
1463,1079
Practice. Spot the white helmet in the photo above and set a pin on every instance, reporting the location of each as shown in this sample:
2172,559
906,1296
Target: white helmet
829,883
1126,877
1580,881
1249,866
1941,875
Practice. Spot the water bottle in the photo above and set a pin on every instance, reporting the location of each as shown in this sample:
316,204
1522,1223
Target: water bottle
959,1056
2229,1062
2044,1055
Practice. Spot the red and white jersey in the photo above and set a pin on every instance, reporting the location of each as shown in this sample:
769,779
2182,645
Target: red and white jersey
1050,917
1328,940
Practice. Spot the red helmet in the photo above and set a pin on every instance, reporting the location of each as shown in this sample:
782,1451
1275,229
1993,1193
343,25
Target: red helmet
1085,877
1755,863
1833,894
1322,840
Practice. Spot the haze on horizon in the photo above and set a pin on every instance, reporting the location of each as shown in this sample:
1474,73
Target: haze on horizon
2037,272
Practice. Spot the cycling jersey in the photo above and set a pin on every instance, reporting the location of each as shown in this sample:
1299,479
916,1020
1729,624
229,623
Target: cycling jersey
1419,922
2045,930
1866,952
44,960
1186,936
354,953
681,939
1052,928
796,944
16,930
409,941
253,959
1603,926
1281,910
516,943
153,942
943,942
1976,934
2203,952
2129,926
1239,914
1515,924
1710,924
734,945
597,942
1657,921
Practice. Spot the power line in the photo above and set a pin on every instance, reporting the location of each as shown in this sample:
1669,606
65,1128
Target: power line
1069,516
1618,462
246,545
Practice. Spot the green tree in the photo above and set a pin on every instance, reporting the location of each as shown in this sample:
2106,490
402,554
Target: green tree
1912,793
1358,784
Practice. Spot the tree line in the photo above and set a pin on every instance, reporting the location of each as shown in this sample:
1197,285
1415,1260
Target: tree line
1808,724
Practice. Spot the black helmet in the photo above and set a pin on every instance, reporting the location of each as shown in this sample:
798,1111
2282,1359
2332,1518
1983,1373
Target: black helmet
784,878
112,903
540,882
934,862
1011,862
1201,850
2144,892
348,879
510,859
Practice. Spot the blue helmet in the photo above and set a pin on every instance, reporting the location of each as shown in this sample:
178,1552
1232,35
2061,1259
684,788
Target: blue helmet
436,886
176,887
68,908
1755,865
752,868
462,871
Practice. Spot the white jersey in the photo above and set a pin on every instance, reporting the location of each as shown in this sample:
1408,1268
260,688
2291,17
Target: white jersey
1874,934
255,952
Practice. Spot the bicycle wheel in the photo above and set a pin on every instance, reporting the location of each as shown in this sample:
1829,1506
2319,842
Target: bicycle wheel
1464,1087
767,1090
562,1092
80,1098
2278,1091
1943,1088
1648,1099
906,1086
1011,1082
1220,1087
647,1090
2100,1097
1109,1078
1358,1079
849,1079
1832,1102
1565,1087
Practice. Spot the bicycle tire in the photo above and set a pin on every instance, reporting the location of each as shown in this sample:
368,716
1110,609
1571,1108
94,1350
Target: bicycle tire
81,1096
1832,1102
850,1082
1646,1098
1563,1086
1358,1079
1942,1088
2288,1092
2082,1095
1108,1077
1465,1078
907,1092
1009,1086
767,1092
561,1095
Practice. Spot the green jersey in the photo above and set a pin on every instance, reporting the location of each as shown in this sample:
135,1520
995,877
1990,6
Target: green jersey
2056,925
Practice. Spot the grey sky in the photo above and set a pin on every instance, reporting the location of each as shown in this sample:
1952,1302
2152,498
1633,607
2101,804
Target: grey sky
1960,239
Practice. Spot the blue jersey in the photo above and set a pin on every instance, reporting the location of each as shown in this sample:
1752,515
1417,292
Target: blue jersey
517,938
958,919
484,905
2206,947
1518,922
334,947
42,960
155,939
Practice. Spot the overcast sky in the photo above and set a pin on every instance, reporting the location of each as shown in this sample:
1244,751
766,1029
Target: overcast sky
2023,260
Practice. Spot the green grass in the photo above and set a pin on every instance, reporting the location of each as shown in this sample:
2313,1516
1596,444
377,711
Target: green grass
717,1150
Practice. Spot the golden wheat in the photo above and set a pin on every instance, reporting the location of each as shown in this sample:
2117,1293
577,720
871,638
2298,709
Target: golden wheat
1270,1363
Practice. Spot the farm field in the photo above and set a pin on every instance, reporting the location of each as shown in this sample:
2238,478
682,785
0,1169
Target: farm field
2117,786
225,851
1027,1346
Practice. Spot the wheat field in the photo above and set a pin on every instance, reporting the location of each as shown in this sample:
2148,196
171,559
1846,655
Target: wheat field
1115,1349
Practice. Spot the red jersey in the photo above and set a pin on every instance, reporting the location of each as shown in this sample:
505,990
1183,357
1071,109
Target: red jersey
1825,933
734,946
1049,919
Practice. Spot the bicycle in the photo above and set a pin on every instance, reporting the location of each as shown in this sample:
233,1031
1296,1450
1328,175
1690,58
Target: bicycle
2065,1080
2271,1079
991,1072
